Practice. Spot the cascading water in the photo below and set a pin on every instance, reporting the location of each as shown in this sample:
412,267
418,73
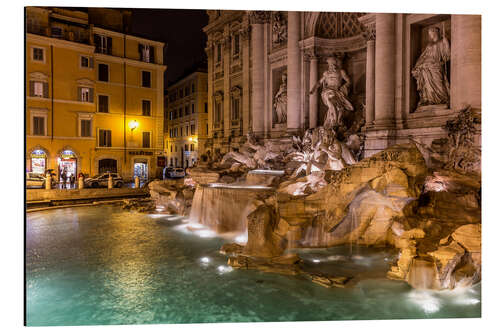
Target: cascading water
224,208
422,274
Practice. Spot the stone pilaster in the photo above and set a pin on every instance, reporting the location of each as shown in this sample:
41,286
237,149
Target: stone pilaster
257,40
465,61
245,39
293,70
370,76
313,99
227,83
385,59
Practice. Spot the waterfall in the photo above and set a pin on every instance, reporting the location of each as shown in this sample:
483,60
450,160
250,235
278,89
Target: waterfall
422,274
224,208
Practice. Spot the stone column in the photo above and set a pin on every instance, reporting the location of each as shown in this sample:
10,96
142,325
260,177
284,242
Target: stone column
313,99
465,61
370,80
257,19
293,71
226,51
245,38
210,53
385,59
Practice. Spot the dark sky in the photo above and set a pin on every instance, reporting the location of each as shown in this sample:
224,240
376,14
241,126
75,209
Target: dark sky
180,30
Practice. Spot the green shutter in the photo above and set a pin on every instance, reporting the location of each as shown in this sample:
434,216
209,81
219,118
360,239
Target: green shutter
46,90
79,94
91,62
32,88
91,95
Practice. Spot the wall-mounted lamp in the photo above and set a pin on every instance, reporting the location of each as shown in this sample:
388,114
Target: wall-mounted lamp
133,125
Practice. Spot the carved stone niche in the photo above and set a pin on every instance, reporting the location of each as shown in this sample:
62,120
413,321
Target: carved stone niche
279,28
417,39
277,74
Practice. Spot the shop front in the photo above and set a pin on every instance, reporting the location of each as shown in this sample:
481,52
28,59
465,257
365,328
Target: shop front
67,165
38,163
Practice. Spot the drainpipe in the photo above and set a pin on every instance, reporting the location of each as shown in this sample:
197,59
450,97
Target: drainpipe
52,94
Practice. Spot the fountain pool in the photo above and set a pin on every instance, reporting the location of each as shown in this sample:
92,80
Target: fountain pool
102,265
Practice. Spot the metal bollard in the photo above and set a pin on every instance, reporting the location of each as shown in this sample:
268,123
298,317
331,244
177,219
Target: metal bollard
110,182
136,182
80,183
48,182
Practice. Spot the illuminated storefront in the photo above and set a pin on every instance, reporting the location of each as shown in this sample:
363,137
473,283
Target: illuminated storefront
38,161
67,163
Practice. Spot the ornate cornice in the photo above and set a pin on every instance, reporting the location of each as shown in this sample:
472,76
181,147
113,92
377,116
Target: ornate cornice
259,16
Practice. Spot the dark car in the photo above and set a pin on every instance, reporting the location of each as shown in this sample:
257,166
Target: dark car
102,180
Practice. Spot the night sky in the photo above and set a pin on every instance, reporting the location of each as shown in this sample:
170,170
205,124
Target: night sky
181,31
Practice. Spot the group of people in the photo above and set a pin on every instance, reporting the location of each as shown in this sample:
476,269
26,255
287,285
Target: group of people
66,178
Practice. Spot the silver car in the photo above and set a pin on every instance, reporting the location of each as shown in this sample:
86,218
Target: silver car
102,180
35,180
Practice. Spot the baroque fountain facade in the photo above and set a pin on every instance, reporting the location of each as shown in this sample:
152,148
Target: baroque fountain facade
359,130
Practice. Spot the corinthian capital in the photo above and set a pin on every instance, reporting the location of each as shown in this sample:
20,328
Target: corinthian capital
259,17
370,33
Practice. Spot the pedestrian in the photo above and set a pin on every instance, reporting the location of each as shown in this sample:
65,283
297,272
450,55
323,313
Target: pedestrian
72,180
64,176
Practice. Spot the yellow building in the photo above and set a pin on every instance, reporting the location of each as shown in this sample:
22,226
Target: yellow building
94,97
187,120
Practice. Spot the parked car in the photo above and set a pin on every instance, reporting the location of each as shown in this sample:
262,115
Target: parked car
102,180
173,173
35,180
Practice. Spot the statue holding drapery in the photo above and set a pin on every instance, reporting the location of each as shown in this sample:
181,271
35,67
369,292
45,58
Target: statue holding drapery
430,70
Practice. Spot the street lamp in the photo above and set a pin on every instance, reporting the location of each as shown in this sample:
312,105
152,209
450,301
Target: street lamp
133,125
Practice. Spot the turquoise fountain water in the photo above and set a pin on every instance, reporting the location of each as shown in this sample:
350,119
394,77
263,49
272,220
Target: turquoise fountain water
103,265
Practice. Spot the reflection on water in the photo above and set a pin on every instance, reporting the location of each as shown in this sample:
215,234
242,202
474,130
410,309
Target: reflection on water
102,265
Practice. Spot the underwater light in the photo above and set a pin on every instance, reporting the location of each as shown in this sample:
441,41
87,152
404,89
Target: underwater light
224,269
205,260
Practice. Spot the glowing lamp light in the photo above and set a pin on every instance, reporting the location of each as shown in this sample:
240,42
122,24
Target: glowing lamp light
133,125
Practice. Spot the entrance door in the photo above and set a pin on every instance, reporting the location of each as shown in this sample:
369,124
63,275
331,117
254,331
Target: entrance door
141,170
107,165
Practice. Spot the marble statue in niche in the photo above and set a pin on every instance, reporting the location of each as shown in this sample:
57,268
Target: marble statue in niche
279,29
280,101
430,71
334,85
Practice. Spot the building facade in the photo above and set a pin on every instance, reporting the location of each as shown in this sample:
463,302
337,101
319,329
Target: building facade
94,96
187,128
271,61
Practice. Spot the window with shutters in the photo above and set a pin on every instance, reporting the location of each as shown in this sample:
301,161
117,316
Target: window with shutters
103,44
86,62
181,130
192,147
192,129
104,138
38,89
38,54
192,108
146,107
103,72
147,53
236,45
86,94
235,114
103,101
85,127
186,110
171,148
146,79
38,125
187,130
219,53
206,107
146,139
